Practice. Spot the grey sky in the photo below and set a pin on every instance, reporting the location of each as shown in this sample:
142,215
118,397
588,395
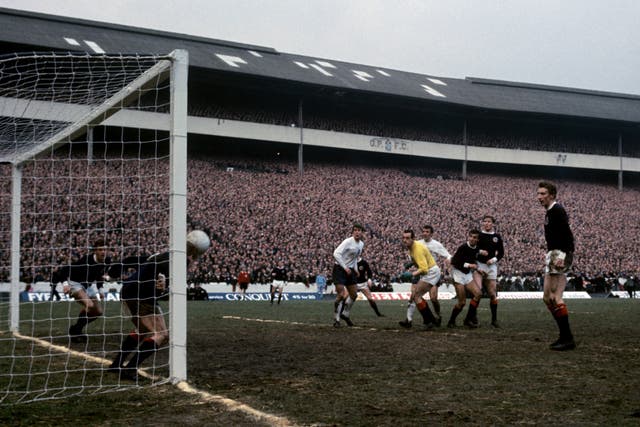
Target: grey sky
591,44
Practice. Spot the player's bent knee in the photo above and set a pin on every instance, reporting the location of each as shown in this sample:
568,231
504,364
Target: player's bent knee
161,338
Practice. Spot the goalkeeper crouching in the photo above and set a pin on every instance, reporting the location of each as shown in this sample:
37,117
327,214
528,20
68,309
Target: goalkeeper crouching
140,293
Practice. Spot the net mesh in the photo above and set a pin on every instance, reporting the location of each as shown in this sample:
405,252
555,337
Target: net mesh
109,180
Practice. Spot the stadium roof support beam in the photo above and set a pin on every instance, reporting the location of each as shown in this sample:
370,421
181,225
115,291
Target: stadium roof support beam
621,171
464,141
300,148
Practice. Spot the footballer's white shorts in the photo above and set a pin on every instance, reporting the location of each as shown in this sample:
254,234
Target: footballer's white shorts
491,270
460,278
279,284
364,285
550,259
432,277
76,286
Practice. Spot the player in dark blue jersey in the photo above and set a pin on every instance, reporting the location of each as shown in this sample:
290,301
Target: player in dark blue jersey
80,277
140,292
491,251
278,281
463,262
364,281
560,246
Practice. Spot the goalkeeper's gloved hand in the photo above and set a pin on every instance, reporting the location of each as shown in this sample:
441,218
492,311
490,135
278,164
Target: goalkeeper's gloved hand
406,277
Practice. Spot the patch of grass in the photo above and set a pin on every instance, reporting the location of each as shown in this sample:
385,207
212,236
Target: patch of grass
288,360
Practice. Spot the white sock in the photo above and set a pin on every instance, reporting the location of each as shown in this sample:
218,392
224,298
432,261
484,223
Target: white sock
410,310
347,306
337,313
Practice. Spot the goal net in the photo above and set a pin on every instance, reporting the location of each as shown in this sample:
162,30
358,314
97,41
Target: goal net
92,152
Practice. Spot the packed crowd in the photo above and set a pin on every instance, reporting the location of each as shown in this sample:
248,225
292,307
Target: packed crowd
68,203
302,218
258,214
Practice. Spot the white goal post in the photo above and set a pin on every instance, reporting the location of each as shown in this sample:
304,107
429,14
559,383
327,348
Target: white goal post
93,148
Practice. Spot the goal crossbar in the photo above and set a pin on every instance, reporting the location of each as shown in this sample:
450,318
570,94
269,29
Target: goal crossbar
157,73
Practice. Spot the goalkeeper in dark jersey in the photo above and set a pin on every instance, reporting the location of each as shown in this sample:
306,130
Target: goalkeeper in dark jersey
139,294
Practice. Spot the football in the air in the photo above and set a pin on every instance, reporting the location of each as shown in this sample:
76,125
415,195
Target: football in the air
199,240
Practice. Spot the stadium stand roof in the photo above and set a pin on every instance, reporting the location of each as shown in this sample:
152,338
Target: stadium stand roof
35,31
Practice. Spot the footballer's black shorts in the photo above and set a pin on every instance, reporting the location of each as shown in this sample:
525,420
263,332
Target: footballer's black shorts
137,307
139,297
340,276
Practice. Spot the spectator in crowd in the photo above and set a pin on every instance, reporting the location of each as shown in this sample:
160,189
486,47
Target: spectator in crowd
243,281
24,296
631,286
199,294
321,285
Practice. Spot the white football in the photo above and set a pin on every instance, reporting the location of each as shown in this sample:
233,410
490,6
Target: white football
199,240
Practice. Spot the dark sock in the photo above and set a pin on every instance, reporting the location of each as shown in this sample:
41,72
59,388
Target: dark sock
561,315
494,310
81,322
436,307
454,314
375,307
146,349
427,315
473,311
129,344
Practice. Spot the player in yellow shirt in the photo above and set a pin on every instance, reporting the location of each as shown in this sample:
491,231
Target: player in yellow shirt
427,273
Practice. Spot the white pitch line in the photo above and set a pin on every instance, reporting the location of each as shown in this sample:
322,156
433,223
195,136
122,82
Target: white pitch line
89,357
230,404
60,348
234,405
286,322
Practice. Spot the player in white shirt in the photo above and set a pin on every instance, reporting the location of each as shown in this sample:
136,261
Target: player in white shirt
438,251
345,273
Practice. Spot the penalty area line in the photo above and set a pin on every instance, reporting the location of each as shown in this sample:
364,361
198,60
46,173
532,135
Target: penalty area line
229,404
289,322
322,325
